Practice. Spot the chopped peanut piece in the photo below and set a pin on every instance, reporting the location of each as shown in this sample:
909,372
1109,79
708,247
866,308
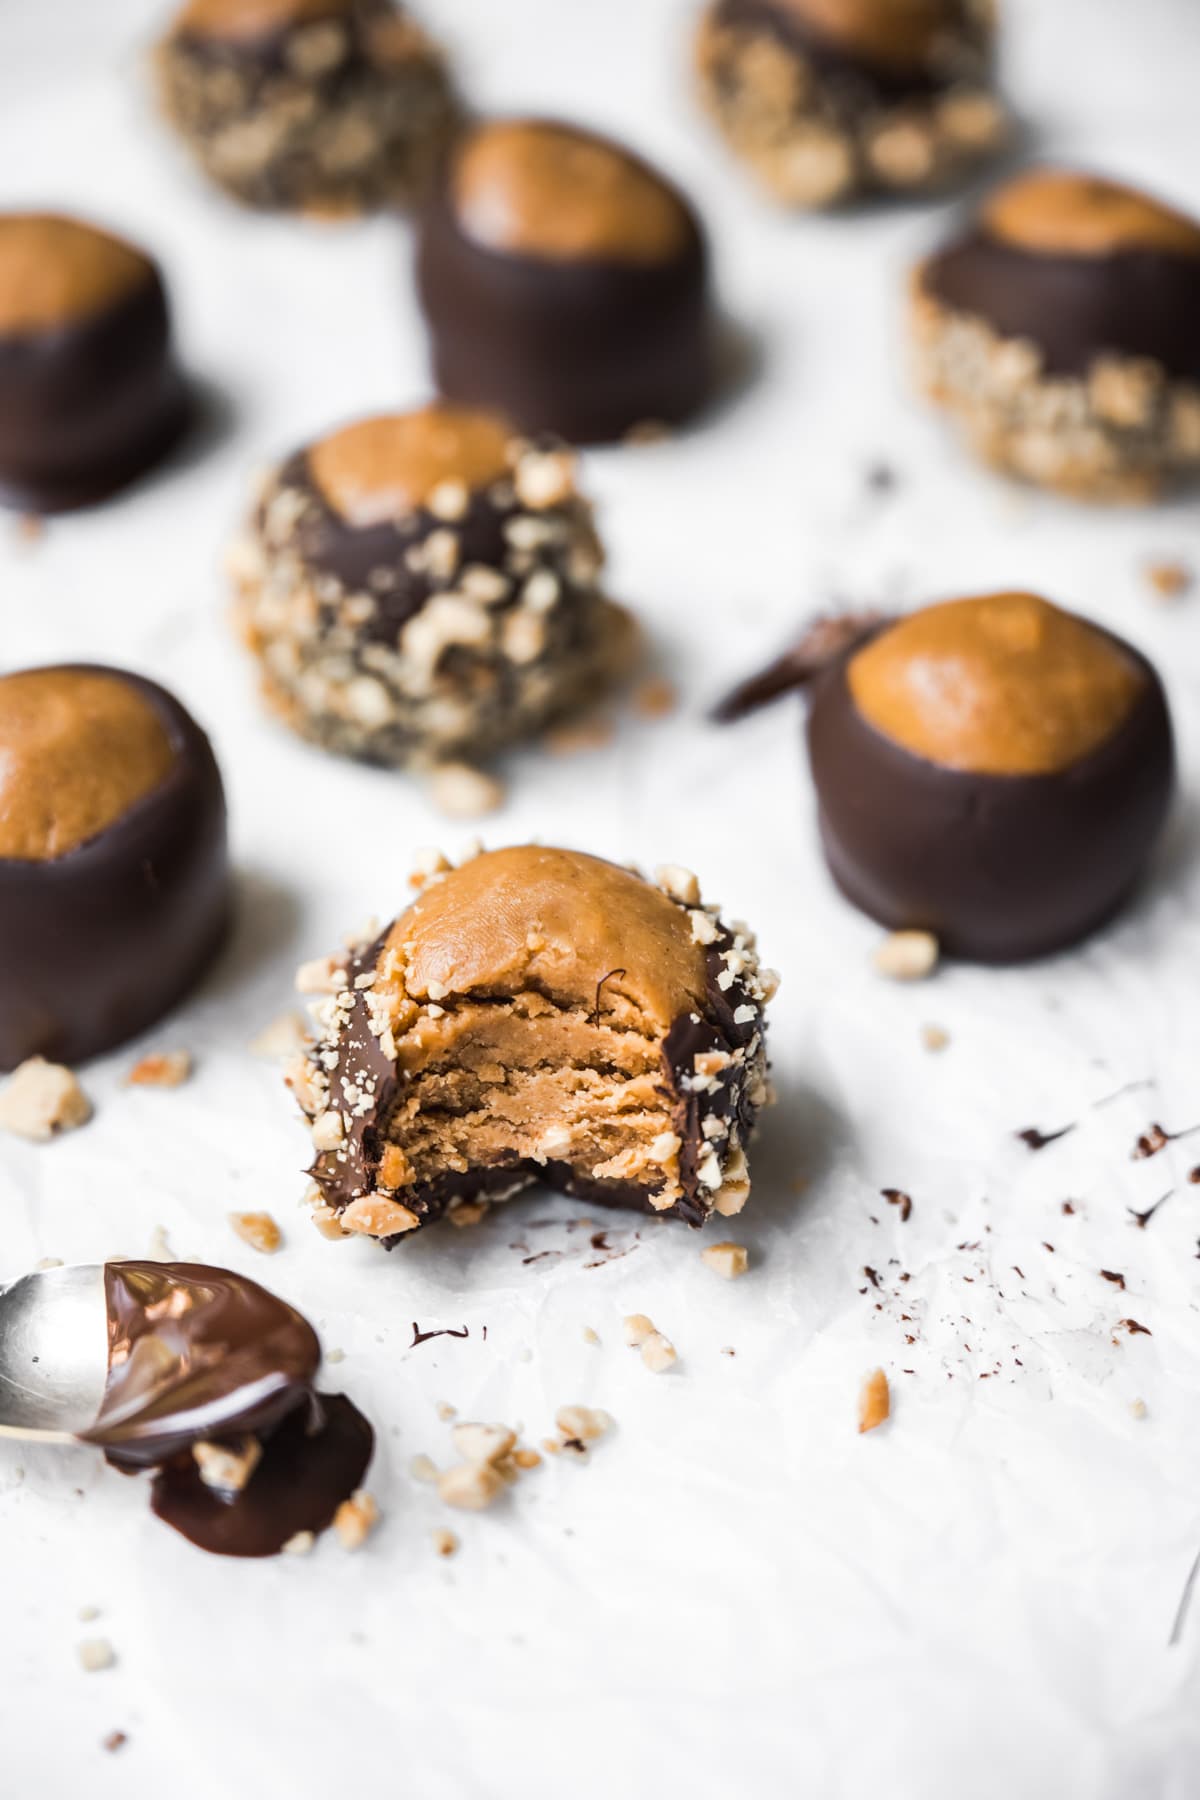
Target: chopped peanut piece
96,1654
42,1099
168,1069
637,1329
934,1038
874,1403
526,1459
461,792
445,1542
355,1519
583,1423
471,1486
282,1038
374,1215
727,1260
658,1353
226,1467
907,955
300,1543
483,1443
259,1230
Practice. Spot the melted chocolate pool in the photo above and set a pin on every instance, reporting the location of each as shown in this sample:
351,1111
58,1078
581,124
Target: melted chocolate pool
199,1354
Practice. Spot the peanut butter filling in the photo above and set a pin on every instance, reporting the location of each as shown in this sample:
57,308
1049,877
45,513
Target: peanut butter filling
243,20
385,467
554,978
78,748
538,189
1004,684
899,34
54,270
1058,212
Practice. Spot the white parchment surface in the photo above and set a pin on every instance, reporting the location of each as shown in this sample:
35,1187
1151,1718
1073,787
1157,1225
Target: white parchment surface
737,1595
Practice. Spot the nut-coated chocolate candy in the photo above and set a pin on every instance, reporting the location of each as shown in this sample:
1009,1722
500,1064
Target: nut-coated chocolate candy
90,395
114,886
825,100
425,585
993,770
325,106
1060,330
564,283
537,1014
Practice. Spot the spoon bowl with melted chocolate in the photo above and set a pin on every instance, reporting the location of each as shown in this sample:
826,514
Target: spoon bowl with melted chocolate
196,1373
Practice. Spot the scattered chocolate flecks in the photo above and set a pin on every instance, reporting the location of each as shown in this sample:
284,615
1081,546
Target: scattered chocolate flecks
871,1276
1068,1207
114,1741
540,1255
1018,1271
1133,1328
1049,1247
1142,1219
1038,1140
1115,1277
897,1197
1194,1175
423,1337
1154,1139
825,640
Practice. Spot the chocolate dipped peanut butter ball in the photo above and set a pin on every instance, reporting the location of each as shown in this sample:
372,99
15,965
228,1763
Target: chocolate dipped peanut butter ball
828,100
537,1015
114,883
90,395
565,283
324,106
423,585
993,770
1060,331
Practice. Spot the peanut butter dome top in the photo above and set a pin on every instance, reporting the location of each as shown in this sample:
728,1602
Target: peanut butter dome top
547,191
54,270
386,467
1005,684
898,34
557,921
78,748
234,20
1060,213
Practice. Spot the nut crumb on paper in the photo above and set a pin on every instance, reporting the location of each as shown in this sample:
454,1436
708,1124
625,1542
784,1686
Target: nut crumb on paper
874,1402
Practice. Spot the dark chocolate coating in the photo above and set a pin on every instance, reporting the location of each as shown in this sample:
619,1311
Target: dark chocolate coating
88,405
583,349
360,1054
1001,868
97,944
1135,303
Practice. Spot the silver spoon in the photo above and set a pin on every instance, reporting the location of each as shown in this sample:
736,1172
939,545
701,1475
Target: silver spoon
53,1353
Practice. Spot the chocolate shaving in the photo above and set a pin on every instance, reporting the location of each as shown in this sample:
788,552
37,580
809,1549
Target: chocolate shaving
871,1276
895,1197
1132,1327
423,1337
1142,1219
1113,1276
1037,1140
1155,1139
826,640
595,1018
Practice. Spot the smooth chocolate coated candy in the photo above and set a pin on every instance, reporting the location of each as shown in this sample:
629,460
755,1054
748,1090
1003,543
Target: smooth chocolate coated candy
1134,303
97,944
89,402
1000,868
585,347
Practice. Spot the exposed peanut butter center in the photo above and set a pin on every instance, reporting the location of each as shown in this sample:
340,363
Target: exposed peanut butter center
78,748
899,34
243,20
54,270
1005,684
534,988
1060,213
385,467
547,191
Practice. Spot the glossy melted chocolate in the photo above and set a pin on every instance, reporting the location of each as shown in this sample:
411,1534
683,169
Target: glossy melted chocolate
199,1354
